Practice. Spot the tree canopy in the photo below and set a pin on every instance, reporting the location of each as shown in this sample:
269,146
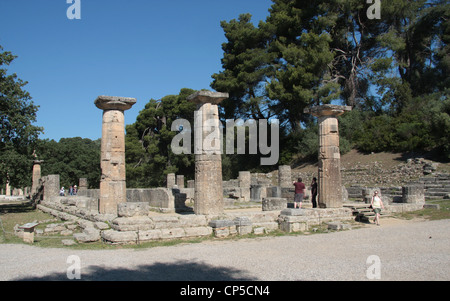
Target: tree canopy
18,134
393,71
71,159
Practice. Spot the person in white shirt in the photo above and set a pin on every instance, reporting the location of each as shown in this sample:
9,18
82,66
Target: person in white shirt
377,204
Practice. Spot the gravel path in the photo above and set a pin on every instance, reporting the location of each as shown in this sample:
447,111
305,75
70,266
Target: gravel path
407,251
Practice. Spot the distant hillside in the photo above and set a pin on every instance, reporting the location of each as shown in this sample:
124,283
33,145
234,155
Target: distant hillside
387,169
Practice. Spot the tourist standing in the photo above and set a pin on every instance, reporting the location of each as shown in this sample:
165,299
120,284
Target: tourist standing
377,204
299,193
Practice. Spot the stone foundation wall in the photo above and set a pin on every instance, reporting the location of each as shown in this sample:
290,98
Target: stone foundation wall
161,199
136,224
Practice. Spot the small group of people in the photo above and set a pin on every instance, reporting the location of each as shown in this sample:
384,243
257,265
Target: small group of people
300,192
376,203
73,190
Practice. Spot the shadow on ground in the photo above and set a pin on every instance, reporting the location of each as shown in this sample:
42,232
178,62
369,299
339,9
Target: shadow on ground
180,271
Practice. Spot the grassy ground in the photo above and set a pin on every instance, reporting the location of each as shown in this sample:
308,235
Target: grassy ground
429,214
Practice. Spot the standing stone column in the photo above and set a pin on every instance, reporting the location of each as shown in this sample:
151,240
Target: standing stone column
8,188
330,185
51,187
180,181
36,175
83,184
171,180
113,180
208,160
245,181
285,176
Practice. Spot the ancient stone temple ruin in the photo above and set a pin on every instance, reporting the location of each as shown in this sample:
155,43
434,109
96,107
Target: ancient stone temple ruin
117,215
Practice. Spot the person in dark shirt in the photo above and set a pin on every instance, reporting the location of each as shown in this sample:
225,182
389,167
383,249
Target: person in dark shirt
314,192
299,193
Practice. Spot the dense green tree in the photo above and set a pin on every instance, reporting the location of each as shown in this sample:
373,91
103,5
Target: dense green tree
72,159
393,71
18,134
148,142
247,68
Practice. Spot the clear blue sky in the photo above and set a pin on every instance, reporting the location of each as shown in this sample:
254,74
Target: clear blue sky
136,48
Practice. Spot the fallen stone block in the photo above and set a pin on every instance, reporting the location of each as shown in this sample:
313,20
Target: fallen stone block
66,232
88,235
274,204
101,225
338,226
119,237
334,226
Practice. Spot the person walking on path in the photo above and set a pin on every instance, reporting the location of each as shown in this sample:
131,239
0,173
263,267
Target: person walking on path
299,193
377,204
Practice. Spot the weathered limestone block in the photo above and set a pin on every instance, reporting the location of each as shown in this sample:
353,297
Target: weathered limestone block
284,176
165,222
198,231
88,235
290,227
171,180
243,225
258,192
414,194
191,184
148,235
162,198
83,184
132,223
245,180
223,228
221,223
36,176
273,204
259,231
293,212
51,186
180,181
131,209
338,226
172,233
101,225
193,220
119,237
